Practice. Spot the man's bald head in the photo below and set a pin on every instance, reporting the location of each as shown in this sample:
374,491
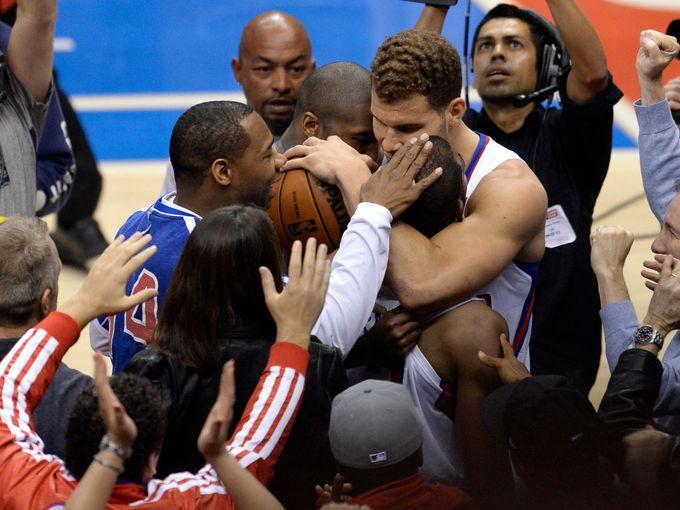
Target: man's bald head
268,23
275,57
336,100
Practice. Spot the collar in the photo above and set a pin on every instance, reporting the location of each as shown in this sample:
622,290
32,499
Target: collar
486,125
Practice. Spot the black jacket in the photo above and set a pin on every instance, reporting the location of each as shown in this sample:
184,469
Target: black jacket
306,459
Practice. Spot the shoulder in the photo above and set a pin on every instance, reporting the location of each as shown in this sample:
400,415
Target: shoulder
151,363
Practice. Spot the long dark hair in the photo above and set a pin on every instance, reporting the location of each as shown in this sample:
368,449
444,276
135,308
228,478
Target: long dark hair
216,284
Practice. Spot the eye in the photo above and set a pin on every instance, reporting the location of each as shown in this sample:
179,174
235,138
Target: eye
516,44
484,46
297,70
263,69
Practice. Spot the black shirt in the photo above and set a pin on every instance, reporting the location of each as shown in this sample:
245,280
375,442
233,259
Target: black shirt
569,150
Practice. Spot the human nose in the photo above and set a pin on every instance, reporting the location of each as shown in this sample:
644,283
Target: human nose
280,81
390,144
659,245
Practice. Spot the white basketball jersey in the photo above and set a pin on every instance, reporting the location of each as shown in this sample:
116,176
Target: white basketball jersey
511,293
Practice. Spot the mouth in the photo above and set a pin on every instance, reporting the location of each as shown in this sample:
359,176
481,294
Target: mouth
280,106
497,73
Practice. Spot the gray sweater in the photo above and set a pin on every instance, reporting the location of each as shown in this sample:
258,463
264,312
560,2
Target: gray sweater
659,143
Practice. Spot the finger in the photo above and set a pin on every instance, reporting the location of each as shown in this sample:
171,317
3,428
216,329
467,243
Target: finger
139,260
489,361
295,265
309,261
298,151
396,160
650,275
408,343
268,285
406,329
429,180
337,487
660,257
650,285
666,268
508,351
379,309
412,154
227,390
312,140
105,396
326,279
420,159
652,264
320,266
138,298
398,319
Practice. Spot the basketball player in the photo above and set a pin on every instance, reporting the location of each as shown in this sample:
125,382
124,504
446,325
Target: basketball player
495,251
334,100
223,155
274,58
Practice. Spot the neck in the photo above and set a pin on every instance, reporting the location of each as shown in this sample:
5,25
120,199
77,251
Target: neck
199,202
16,331
464,141
290,137
507,117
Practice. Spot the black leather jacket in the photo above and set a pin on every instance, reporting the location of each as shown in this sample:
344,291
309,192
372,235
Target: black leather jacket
306,459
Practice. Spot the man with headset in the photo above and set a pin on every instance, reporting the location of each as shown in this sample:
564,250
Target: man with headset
519,60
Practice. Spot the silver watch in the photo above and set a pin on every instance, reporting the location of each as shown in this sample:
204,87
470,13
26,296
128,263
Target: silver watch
646,335
106,444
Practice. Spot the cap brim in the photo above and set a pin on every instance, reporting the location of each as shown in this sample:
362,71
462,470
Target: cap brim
440,3
493,411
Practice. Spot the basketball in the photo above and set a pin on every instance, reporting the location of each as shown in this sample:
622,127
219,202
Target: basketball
305,207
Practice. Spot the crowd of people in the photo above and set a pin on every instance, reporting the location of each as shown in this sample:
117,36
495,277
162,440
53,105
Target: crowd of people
428,363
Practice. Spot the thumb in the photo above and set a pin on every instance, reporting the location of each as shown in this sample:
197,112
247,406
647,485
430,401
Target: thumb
489,361
268,286
508,351
666,267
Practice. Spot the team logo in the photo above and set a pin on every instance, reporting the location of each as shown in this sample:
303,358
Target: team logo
302,228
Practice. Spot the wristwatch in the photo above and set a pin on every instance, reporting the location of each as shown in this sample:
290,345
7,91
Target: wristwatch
106,444
646,335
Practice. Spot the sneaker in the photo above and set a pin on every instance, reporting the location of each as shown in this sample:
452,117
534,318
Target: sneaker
80,243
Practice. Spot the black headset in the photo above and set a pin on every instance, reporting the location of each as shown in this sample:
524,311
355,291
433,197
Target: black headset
553,58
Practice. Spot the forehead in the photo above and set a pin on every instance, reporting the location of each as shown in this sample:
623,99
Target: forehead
353,117
414,108
258,132
275,42
498,28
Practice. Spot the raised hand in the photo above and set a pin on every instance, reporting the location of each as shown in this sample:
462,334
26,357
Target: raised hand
393,186
657,51
103,291
213,436
297,307
338,492
610,248
509,368
120,428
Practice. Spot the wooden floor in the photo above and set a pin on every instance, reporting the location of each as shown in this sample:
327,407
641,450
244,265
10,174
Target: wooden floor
130,186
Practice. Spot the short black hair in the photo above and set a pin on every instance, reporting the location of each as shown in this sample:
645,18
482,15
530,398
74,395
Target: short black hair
143,404
437,206
539,35
328,89
204,133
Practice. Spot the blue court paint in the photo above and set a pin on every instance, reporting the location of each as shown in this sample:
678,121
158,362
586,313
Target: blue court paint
132,46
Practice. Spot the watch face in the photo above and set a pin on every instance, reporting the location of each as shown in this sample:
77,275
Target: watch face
647,335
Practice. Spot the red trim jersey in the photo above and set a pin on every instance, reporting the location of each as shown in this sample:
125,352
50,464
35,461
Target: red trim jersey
30,479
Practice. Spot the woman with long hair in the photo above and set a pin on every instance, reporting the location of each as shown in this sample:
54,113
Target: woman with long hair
214,311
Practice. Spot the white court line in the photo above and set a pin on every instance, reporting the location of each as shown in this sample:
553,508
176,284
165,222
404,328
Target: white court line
149,101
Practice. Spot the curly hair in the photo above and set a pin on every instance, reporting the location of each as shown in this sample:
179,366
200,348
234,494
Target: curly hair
417,62
143,404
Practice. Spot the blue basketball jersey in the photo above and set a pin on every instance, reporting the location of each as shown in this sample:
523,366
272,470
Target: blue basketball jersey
129,332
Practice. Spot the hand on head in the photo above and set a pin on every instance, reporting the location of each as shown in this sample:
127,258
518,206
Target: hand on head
393,185
296,309
213,437
657,51
103,291
509,368
609,248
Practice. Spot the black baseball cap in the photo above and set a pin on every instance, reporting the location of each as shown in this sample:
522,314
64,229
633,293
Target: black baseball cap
541,415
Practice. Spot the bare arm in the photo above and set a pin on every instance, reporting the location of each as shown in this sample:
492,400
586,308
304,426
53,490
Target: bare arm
30,52
432,18
589,75
428,274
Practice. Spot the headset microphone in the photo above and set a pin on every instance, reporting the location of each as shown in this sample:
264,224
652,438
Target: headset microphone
539,96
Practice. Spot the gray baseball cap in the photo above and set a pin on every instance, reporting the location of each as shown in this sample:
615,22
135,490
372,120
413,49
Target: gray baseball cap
374,424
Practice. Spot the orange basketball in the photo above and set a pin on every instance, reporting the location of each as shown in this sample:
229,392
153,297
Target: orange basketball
305,207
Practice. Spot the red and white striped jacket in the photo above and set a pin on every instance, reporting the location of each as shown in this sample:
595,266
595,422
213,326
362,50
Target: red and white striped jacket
30,479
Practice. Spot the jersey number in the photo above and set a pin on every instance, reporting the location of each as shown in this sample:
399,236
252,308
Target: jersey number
140,321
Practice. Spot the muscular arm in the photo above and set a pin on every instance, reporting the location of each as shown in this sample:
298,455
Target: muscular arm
30,52
432,18
507,212
589,75
487,469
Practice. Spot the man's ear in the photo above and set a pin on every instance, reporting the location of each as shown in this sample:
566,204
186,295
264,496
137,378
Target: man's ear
47,302
455,111
312,65
236,69
461,210
311,125
220,170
